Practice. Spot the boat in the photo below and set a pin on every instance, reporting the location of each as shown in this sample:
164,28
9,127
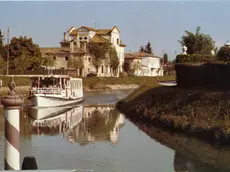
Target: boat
168,83
55,90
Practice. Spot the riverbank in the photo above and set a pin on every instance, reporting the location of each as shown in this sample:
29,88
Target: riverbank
90,83
200,113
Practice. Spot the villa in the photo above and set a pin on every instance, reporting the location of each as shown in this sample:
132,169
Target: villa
75,45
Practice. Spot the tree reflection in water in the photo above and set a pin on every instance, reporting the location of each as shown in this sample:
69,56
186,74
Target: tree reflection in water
83,125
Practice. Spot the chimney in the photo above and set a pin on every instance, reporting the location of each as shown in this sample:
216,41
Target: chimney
64,36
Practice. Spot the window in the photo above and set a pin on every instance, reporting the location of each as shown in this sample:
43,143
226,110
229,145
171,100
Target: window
81,45
66,58
54,58
117,41
101,69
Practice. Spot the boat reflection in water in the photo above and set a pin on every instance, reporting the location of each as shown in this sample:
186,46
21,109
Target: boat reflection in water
82,125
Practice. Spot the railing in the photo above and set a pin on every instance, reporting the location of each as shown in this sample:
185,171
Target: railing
39,72
55,91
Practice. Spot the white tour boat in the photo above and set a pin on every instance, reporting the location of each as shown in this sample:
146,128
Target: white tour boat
55,90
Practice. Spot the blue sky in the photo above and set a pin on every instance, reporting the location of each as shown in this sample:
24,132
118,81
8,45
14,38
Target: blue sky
162,23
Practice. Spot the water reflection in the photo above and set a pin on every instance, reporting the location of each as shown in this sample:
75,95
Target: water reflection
82,125
191,154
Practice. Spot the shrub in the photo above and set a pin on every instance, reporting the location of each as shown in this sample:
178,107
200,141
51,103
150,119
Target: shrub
208,75
194,58
224,53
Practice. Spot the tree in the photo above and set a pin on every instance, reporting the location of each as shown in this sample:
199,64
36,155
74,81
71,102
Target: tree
142,49
197,43
148,48
48,62
2,48
130,67
113,59
75,62
223,54
22,62
24,46
1,39
165,58
2,65
99,53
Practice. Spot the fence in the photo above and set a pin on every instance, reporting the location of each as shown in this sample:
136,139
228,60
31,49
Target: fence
70,72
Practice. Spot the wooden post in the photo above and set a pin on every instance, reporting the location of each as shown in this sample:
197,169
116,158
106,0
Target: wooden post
12,103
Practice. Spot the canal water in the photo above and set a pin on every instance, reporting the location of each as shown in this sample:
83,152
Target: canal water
96,137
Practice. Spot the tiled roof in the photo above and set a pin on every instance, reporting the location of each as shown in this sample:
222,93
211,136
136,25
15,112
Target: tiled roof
104,31
70,29
53,50
143,54
122,45
98,39
131,56
74,32
88,28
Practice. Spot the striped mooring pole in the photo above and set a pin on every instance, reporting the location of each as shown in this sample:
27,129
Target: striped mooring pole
12,103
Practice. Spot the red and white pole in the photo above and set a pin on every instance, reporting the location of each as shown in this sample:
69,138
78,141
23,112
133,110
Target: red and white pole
12,104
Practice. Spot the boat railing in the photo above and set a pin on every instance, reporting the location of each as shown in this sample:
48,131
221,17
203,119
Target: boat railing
55,91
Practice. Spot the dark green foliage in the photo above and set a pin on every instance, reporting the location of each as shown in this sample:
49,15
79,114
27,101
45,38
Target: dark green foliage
99,53
1,39
142,49
224,53
197,43
147,49
165,58
21,47
208,75
113,59
194,58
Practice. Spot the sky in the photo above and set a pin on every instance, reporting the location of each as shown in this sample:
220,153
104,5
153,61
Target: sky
160,22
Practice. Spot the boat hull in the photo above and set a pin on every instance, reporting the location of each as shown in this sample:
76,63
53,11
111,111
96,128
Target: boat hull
168,83
46,101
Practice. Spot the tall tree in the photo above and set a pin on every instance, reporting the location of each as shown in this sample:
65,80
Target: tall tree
2,48
113,59
1,39
197,43
99,53
148,48
165,58
25,46
142,49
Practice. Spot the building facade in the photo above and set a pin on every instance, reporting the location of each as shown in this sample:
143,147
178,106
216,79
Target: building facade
80,37
146,64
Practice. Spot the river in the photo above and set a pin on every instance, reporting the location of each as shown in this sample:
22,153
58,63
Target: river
99,138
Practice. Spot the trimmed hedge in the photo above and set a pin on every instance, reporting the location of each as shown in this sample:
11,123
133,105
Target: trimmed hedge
207,75
194,58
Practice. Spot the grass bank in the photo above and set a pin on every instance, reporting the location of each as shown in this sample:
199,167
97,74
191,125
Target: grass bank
198,113
93,83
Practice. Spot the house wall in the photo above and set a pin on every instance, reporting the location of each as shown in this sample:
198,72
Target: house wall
115,39
153,65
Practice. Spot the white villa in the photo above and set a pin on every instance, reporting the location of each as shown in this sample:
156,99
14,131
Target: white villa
149,65
75,43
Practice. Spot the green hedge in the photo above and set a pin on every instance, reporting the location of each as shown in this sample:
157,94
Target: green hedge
194,58
207,75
